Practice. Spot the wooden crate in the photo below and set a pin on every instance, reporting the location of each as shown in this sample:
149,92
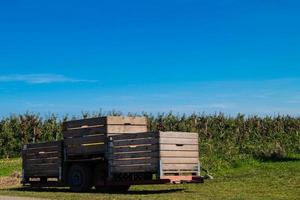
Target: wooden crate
167,153
132,153
88,137
179,153
42,160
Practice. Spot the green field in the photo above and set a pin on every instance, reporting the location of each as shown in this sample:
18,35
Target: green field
254,180
9,166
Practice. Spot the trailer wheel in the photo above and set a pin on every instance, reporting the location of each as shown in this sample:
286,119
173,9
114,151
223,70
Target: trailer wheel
79,178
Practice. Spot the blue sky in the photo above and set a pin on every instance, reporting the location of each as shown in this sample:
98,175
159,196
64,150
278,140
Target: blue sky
186,56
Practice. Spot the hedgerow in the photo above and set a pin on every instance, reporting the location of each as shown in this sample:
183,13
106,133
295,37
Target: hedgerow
223,140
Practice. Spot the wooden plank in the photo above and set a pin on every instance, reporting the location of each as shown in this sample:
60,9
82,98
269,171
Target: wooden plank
172,147
111,129
134,136
180,172
180,160
44,145
80,150
84,131
135,155
121,120
104,121
85,140
179,141
135,169
41,167
44,155
44,173
146,161
178,135
84,122
190,167
43,161
134,142
46,149
180,154
136,148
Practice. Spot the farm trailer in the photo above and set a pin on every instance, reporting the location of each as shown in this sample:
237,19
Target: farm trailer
112,153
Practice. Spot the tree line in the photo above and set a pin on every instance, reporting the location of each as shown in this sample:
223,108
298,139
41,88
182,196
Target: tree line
222,138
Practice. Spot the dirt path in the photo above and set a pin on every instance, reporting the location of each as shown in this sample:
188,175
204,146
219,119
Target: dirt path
9,181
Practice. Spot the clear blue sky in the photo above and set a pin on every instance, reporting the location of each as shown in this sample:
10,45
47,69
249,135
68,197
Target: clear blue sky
156,56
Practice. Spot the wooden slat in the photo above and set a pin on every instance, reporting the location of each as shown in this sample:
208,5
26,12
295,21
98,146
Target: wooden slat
114,129
105,121
178,141
178,135
180,154
84,131
41,167
80,150
190,167
136,149
135,155
43,161
44,173
126,120
180,171
44,145
180,160
85,140
135,169
135,142
172,147
40,156
134,136
145,161
46,149
84,122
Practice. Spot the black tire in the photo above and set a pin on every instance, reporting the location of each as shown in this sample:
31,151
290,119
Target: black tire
79,178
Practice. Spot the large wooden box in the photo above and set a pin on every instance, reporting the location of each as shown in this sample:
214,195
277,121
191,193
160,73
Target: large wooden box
42,160
88,137
163,153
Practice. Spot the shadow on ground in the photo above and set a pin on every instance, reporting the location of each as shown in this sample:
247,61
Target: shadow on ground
66,190
275,159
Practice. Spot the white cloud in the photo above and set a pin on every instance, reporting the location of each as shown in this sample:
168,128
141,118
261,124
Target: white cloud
40,78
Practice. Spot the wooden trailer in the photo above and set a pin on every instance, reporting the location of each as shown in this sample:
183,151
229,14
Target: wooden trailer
112,153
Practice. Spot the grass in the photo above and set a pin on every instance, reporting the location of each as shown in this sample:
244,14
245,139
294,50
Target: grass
9,166
253,180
